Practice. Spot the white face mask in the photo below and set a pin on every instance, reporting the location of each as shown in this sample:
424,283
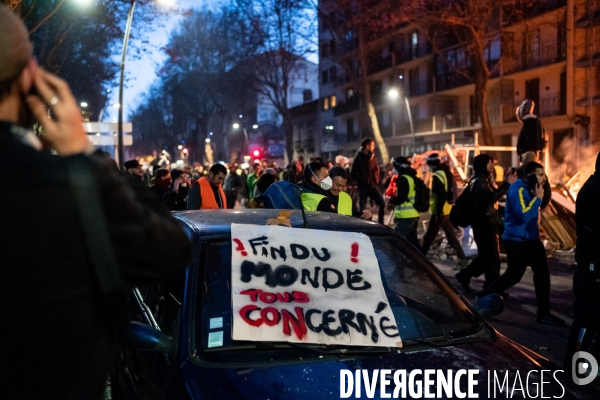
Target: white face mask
326,183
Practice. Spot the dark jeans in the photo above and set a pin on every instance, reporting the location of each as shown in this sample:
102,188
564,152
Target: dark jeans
408,229
587,312
518,256
375,195
434,227
487,261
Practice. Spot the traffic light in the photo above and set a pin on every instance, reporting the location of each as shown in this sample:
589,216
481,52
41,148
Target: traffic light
256,153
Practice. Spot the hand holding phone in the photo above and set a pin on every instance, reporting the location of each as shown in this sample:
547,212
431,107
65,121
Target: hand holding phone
65,130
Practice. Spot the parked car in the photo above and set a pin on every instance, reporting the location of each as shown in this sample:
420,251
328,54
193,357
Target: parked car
167,352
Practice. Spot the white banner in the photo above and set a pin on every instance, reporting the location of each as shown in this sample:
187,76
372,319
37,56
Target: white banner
308,286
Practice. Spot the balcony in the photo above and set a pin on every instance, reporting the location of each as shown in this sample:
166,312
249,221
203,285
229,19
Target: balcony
550,106
450,81
420,125
380,64
420,88
545,55
351,105
502,113
454,121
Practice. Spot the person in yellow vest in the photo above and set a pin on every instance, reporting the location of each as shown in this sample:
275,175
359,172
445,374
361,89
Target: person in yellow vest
207,192
314,188
339,198
441,182
406,216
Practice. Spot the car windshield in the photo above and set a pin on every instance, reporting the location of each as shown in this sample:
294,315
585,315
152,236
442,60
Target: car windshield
426,309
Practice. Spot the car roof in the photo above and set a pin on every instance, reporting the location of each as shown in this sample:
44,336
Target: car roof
218,222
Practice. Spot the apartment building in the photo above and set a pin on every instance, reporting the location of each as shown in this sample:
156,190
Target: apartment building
553,60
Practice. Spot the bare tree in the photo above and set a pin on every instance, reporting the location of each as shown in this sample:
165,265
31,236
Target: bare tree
286,28
352,26
476,25
200,86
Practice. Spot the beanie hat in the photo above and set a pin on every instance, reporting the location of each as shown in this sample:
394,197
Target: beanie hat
433,160
400,162
15,48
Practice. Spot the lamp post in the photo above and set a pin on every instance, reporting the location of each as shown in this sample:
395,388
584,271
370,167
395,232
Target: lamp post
122,78
394,94
246,142
123,56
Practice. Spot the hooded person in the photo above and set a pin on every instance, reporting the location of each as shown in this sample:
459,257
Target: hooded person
406,217
484,197
586,282
531,136
442,181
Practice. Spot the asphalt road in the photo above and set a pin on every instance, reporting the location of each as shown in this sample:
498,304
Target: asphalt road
517,319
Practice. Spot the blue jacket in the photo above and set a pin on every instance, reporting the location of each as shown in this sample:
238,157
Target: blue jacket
521,213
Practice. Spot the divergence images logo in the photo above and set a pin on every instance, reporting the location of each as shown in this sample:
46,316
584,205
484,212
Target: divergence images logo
581,363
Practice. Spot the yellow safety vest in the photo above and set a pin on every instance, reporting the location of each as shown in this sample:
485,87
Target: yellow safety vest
345,204
311,201
407,210
433,202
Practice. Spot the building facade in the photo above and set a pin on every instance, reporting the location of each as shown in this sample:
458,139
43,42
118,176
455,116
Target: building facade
551,57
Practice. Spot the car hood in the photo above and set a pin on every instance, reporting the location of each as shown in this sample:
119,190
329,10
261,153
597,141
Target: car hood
321,378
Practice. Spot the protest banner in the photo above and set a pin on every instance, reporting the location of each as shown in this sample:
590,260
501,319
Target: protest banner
308,286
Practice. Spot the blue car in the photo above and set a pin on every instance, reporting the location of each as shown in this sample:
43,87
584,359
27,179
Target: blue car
172,350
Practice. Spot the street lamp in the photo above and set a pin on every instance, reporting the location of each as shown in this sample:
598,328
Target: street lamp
394,94
236,125
122,78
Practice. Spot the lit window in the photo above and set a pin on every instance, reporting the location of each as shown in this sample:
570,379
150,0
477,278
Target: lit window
333,101
326,103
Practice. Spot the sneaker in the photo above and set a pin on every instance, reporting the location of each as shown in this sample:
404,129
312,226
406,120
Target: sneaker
549,319
464,279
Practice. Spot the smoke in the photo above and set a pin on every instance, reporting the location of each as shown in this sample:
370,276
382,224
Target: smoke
578,163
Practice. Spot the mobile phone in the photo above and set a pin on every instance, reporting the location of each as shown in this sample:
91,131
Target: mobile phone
532,182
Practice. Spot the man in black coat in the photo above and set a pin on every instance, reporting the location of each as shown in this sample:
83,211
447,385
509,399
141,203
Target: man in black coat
586,283
55,340
365,170
485,223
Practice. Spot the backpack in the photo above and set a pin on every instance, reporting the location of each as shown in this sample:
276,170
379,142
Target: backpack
422,194
282,195
462,212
